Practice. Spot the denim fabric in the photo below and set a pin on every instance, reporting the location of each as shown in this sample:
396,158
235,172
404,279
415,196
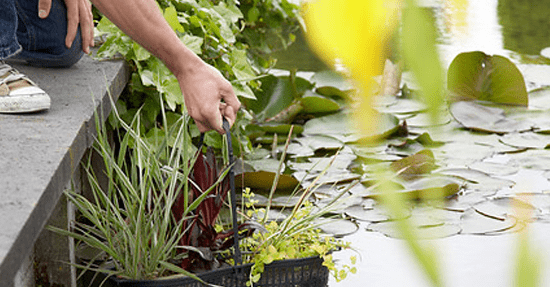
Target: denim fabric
41,42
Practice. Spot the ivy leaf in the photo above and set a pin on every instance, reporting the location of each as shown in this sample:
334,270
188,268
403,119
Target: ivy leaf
231,13
477,76
172,94
140,53
171,16
194,43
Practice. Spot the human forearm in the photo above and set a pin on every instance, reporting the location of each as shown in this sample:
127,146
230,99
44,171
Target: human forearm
143,22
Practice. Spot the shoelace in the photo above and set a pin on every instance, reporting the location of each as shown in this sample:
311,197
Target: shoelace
13,75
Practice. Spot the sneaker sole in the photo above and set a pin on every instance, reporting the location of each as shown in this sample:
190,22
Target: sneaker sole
24,104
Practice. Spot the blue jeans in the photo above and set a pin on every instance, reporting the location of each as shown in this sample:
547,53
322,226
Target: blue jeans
41,42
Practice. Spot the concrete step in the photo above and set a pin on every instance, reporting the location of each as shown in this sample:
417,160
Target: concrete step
39,153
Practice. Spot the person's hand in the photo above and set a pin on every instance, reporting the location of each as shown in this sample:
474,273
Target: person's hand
203,90
79,12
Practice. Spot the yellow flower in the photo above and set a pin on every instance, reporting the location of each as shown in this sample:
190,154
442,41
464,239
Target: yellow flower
355,32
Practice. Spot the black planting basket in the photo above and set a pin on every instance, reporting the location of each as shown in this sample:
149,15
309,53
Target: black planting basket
303,272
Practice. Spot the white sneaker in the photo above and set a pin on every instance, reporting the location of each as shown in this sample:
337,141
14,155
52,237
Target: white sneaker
18,94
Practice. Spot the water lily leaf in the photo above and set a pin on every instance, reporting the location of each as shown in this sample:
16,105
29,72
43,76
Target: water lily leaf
279,128
264,179
476,179
465,201
545,52
533,159
493,168
377,214
338,162
268,164
526,140
329,177
405,148
314,103
502,207
473,222
428,188
425,120
389,228
403,106
477,76
486,119
338,228
419,163
329,83
339,123
277,94
317,142
541,201
540,99
299,150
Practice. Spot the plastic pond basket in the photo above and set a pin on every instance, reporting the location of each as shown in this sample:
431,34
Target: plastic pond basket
304,272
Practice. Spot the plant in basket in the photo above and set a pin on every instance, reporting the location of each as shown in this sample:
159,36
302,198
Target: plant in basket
157,214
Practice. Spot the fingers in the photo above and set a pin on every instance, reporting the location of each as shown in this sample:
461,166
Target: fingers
79,12
231,106
44,7
72,21
86,25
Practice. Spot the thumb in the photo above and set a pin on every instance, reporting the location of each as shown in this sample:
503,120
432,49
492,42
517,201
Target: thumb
44,7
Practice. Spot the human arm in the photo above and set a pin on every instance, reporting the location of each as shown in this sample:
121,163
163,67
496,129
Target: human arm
203,87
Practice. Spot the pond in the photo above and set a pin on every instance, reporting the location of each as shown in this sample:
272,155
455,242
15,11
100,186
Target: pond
518,30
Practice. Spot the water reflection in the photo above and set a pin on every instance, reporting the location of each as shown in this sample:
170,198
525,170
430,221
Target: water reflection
525,25
510,28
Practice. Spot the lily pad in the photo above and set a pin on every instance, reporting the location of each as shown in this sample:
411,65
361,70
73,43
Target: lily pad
503,207
526,140
493,168
377,214
403,106
425,120
329,83
465,201
341,124
440,230
540,99
477,76
313,103
264,180
485,119
545,52
282,129
472,222
338,227
419,163
299,150
475,179
533,159
317,142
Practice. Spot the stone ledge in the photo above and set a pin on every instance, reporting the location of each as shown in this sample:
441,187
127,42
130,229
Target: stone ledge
40,152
